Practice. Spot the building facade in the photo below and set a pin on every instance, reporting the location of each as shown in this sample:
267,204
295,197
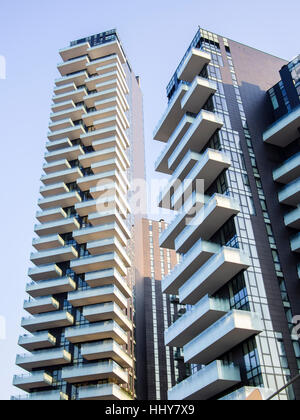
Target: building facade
238,274
80,344
158,368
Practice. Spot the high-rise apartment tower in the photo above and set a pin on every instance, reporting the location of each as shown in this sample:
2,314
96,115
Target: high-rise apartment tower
238,274
81,341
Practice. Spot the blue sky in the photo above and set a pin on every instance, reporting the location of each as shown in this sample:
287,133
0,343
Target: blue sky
155,36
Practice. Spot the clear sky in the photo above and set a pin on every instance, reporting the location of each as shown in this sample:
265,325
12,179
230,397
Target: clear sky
155,35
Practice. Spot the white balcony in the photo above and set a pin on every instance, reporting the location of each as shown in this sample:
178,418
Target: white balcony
52,215
215,213
193,64
48,242
51,287
68,98
107,311
107,49
284,131
98,331
57,255
68,87
34,380
109,245
68,176
95,372
37,341
69,153
290,194
107,349
92,181
201,131
207,382
161,164
100,232
100,262
77,78
198,255
67,225
51,271
292,219
106,392
102,155
44,358
53,190
231,330
74,132
73,65
196,320
47,321
106,277
97,295
60,125
110,117
56,165
106,83
100,65
52,146
62,200
62,106
295,243
198,94
43,396
111,97
214,274
112,73
42,305
74,113
288,171
74,51
94,135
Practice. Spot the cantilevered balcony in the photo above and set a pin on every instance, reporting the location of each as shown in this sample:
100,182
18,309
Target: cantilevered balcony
66,225
107,112
104,154
43,396
34,380
37,341
62,200
101,64
74,132
198,255
100,232
284,131
51,287
77,78
214,274
92,181
94,135
69,153
290,194
229,331
56,255
106,217
54,190
106,392
67,176
95,372
292,219
60,125
107,311
47,321
74,113
215,213
52,146
44,358
73,65
74,51
42,305
109,245
48,242
68,87
52,215
97,295
207,382
104,73
107,349
196,320
288,171
107,49
203,128
111,97
99,331
99,262
62,106
185,215
209,167
193,64
56,165
51,271
198,94
295,243
107,277
64,99
161,164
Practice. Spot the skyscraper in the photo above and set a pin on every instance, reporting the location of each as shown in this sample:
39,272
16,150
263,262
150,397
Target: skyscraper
238,275
81,342
158,368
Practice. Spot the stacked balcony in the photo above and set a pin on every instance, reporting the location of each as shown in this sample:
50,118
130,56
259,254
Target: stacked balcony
80,259
210,327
